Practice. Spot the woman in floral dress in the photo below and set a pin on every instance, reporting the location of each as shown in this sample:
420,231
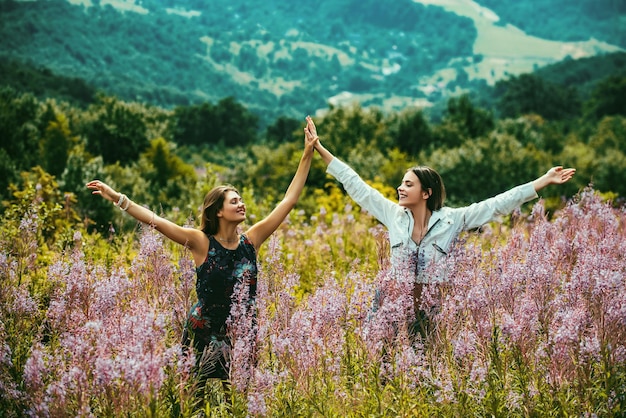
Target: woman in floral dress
224,257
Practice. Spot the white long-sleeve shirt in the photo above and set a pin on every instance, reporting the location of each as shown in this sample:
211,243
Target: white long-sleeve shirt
444,225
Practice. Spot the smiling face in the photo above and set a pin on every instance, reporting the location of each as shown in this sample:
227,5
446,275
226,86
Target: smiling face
233,209
421,184
217,202
410,192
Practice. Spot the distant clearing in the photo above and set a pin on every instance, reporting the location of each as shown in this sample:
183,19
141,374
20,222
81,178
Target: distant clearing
507,49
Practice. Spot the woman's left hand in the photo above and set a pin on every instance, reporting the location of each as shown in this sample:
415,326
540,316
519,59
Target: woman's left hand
310,134
560,175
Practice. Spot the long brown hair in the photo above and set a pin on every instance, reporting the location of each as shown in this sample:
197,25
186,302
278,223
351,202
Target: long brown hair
213,203
430,179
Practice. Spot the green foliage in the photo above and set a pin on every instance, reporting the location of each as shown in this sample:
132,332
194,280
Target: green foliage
226,123
469,170
471,121
531,94
610,150
610,134
345,129
577,21
599,160
267,173
19,133
37,195
259,52
411,131
169,178
284,129
115,130
584,73
462,121
536,131
56,144
43,83
608,98
80,169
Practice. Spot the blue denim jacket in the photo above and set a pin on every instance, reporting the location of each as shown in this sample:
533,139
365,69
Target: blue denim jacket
444,225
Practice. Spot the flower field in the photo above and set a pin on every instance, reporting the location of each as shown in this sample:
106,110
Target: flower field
531,323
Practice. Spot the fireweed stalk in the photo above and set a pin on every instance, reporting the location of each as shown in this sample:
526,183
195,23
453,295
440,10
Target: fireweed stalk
107,351
546,315
532,323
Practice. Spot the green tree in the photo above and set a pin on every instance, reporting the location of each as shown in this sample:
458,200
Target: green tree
529,93
159,180
533,129
610,171
81,168
20,135
236,124
167,173
284,129
608,98
578,154
472,121
56,144
116,130
607,169
53,209
462,121
227,123
481,169
345,128
411,132
192,125
609,134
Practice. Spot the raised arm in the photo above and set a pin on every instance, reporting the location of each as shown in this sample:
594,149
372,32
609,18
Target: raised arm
311,132
260,231
190,237
362,193
556,175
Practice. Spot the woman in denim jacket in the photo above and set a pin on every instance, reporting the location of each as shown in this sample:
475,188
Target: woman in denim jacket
421,229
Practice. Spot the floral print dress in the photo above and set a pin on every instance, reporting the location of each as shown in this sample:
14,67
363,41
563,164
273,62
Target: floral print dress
217,277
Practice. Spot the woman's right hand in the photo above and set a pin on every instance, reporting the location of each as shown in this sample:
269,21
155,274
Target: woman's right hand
104,190
311,134
310,137
310,130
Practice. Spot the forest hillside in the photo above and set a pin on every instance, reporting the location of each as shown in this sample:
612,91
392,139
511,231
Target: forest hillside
290,59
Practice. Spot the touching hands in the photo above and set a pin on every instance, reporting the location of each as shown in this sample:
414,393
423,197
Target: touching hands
310,135
310,132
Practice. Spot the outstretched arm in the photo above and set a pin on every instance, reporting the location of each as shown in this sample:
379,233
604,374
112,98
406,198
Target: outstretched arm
480,213
184,236
260,231
556,175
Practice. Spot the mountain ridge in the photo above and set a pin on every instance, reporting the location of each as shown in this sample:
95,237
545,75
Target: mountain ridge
275,59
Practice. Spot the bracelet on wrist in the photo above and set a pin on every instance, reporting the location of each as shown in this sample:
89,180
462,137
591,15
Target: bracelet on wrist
120,203
120,200
128,202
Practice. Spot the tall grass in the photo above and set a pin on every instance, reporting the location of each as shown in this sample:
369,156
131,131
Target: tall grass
531,323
